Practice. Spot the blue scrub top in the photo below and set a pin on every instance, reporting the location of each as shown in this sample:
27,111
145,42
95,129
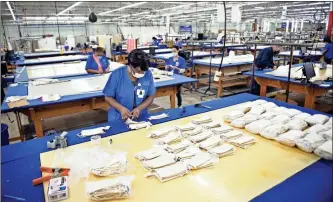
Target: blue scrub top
179,44
329,53
155,43
265,58
91,64
121,88
180,63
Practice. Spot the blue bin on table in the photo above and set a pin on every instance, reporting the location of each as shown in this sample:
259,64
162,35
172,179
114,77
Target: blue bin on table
4,134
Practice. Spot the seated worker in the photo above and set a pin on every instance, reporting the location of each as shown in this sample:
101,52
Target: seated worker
178,43
177,65
155,42
97,63
265,57
328,51
130,90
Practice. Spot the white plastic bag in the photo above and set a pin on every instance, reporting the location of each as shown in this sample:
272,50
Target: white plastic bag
290,137
317,118
280,119
297,124
327,134
258,102
268,115
257,126
272,131
316,129
268,105
302,116
105,164
242,121
256,110
292,112
310,142
325,150
233,115
329,123
109,189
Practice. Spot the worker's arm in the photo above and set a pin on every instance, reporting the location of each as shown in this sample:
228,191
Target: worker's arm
125,113
267,59
93,71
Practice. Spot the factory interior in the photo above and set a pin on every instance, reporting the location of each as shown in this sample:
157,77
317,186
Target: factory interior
152,101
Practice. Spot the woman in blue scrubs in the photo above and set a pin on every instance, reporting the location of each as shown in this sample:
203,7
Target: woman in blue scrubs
131,89
155,42
179,43
98,63
177,65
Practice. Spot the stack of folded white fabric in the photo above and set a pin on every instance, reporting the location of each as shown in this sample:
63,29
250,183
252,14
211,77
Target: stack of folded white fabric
200,137
211,142
170,138
310,142
196,131
150,154
114,164
242,121
257,110
223,150
160,133
244,141
302,116
170,172
257,126
187,127
231,135
297,124
280,119
317,119
325,150
213,124
134,125
202,120
201,160
109,189
290,137
233,115
316,129
161,161
221,129
188,152
176,148
272,131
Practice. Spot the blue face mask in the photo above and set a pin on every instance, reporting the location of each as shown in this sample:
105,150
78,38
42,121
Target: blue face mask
99,57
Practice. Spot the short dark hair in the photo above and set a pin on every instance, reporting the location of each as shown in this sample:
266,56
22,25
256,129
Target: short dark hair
138,58
176,47
99,49
176,39
154,38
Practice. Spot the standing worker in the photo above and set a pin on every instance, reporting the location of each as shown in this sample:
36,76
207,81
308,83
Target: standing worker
178,43
155,42
328,50
265,57
130,90
98,63
177,65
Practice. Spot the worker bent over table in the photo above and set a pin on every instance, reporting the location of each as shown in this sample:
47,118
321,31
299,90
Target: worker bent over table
130,90
98,63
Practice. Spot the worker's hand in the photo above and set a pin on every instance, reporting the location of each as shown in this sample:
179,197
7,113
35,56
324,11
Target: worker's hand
125,113
100,71
166,68
135,113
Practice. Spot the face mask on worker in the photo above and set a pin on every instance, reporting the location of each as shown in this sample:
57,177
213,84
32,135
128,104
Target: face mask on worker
174,54
137,75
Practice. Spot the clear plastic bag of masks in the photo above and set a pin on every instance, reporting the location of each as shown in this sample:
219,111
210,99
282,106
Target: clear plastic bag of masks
94,160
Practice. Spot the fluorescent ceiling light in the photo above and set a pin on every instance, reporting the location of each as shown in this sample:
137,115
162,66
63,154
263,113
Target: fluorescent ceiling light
259,8
136,14
122,8
11,10
67,18
34,18
181,6
69,8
